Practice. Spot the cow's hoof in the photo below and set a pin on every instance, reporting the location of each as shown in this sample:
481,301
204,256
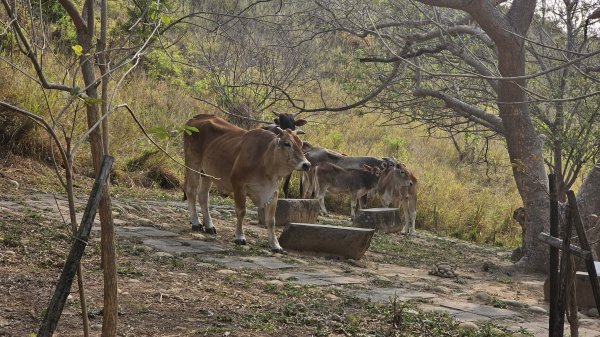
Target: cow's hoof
210,230
240,242
278,250
197,228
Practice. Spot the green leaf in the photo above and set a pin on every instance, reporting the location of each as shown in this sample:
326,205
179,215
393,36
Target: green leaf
92,100
160,133
77,49
74,91
165,20
191,128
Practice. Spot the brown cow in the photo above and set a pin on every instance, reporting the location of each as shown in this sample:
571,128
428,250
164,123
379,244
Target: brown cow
398,187
247,163
334,179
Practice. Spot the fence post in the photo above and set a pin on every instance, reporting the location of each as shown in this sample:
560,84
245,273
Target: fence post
553,265
65,281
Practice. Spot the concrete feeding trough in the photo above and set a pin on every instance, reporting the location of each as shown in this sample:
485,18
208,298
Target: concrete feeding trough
583,289
346,242
385,220
296,210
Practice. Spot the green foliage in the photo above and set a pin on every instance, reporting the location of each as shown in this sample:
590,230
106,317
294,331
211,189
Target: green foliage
163,65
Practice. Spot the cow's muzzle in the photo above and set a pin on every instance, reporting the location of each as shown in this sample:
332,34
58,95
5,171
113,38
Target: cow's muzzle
303,165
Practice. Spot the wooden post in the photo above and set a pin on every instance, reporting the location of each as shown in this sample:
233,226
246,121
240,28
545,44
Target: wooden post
583,242
553,263
565,267
65,281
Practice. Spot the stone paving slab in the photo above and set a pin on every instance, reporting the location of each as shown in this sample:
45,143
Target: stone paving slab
388,294
479,309
232,263
270,263
146,231
464,316
255,262
184,246
319,278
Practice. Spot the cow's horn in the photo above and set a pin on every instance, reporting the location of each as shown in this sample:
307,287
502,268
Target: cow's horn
276,113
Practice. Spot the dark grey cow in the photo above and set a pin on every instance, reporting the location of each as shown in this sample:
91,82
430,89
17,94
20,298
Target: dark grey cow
334,179
317,155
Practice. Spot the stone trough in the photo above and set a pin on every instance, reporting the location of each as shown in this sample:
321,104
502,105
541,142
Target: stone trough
346,242
296,210
385,220
583,289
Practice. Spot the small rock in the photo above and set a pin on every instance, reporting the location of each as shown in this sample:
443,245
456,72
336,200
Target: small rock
96,326
496,331
275,282
441,290
226,271
482,296
204,265
331,297
10,252
538,310
593,312
198,236
245,247
119,222
514,303
468,326
14,183
162,254
4,322
356,263
132,280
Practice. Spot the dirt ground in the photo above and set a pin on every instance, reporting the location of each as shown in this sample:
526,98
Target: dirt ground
190,295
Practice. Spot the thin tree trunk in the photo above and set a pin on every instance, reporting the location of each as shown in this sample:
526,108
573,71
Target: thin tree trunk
107,237
74,229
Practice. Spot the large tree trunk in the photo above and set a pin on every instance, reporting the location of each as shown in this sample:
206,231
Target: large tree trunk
524,147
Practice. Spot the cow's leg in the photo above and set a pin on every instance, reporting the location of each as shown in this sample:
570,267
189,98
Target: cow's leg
404,205
286,185
412,208
261,216
270,209
192,181
239,197
321,196
353,201
205,184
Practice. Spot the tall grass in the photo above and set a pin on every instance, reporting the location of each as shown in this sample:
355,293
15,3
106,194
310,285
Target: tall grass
460,200
471,202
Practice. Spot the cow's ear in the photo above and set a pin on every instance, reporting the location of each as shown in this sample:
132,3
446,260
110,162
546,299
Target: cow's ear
276,120
300,122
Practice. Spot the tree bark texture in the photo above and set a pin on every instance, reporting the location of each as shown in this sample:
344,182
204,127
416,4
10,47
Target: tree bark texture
588,200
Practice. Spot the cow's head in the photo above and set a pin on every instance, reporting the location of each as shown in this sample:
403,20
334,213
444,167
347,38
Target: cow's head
374,170
395,173
289,148
288,121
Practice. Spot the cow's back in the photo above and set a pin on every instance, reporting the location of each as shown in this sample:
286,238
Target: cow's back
214,148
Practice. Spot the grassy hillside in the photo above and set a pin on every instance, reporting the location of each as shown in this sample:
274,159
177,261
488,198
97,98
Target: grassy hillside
468,201
456,197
